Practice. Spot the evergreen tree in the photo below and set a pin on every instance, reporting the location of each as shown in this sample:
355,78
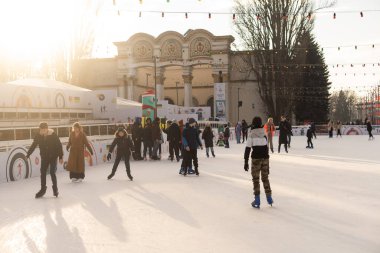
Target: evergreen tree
312,90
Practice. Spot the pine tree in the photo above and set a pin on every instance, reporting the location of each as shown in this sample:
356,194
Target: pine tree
312,92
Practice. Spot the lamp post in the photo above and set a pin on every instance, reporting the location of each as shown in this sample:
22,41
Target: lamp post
155,86
176,88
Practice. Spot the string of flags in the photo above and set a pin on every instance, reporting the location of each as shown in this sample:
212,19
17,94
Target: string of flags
283,15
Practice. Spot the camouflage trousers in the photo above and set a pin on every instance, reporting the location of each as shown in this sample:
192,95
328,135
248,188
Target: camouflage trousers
260,165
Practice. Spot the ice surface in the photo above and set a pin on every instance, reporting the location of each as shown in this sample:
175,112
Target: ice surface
325,200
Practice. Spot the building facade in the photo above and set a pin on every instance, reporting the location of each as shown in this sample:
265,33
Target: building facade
183,68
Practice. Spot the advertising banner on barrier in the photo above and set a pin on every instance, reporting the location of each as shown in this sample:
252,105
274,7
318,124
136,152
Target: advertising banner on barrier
148,106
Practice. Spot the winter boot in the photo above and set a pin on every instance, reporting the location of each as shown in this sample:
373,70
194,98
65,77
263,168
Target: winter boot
256,202
130,177
41,192
269,200
55,191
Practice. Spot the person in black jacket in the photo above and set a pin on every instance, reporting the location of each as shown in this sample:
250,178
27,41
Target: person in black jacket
124,146
244,128
190,142
174,138
309,135
283,134
226,135
50,149
313,129
369,129
137,136
147,138
208,136
257,142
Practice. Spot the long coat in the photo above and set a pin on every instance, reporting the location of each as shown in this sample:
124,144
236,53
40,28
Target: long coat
76,156
208,136
284,131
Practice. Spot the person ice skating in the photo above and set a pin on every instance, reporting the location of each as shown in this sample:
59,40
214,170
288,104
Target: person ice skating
313,129
238,130
244,129
330,128
137,137
124,146
191,141
257,142
309,135
270,130
174,138
290,132
208,137
50,150
147,138
338,129
283,134
157,139
226,135
369,129
76,148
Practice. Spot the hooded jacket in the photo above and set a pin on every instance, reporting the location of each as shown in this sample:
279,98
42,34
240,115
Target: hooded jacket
257,141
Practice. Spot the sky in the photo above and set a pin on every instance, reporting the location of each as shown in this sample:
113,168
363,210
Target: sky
34,29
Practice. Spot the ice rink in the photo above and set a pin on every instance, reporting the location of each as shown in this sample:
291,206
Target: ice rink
326,200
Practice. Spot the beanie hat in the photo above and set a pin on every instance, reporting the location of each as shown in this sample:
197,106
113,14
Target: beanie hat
191,121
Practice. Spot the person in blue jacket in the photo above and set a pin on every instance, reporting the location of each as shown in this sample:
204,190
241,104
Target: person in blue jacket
191,142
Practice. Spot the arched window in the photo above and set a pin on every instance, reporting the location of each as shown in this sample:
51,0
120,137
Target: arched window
195,102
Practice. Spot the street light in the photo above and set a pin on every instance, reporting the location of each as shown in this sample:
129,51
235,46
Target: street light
155,86
147,78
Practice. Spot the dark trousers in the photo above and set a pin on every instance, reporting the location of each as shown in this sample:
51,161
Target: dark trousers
126,161
226,142
309,143
260,166
331,133
245,135
190,156
338,133
173,149
285,145
148,147
289,139
45,166
370,134
137,144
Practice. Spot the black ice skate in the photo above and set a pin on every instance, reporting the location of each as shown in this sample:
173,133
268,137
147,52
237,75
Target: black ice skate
55,191
41,192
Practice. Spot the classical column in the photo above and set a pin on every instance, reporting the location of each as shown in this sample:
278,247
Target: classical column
160,79
121,87
130,87
187,79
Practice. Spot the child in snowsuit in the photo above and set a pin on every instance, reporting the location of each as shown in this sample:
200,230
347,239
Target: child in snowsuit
257,141
50,149
124,146
309,135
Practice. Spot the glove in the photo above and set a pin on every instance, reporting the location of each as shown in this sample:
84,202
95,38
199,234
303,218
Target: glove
246,168
67,148
91,152
109,156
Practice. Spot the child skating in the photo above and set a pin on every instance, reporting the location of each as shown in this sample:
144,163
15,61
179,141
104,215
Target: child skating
257,142
124,146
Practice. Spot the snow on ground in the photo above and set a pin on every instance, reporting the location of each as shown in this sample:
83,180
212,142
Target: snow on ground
326,200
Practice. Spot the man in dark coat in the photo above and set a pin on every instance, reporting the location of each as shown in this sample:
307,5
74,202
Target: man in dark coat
137,136
309,135
147,138
283,134
244,127
313,129
226,135
157,138
369,129
190,142
50,149
174,138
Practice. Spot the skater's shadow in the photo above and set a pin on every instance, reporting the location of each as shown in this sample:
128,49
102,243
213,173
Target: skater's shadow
32,247
109,216
161,202
58,233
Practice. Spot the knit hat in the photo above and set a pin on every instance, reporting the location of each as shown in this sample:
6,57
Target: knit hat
191,121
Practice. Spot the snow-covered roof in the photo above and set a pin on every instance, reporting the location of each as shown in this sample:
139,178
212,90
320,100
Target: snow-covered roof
126,102
46,83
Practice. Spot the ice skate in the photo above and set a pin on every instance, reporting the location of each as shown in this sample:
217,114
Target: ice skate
269,200
41,192
55,191
110,176
256,202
